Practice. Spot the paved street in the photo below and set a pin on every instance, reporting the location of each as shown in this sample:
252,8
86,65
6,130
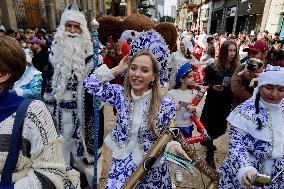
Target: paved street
198,182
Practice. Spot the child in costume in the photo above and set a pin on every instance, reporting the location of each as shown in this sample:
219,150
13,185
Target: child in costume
257,135
142,112
183,94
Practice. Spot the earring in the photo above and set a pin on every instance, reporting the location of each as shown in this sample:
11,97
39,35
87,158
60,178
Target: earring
151,83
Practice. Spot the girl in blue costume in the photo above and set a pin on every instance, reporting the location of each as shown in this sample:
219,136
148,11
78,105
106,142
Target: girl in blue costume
257,135
142,114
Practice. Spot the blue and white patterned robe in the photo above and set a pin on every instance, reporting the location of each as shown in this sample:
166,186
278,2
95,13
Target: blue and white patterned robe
124,144
251,149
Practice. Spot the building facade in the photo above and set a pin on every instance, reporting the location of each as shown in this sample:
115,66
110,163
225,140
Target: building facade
44,14
273,20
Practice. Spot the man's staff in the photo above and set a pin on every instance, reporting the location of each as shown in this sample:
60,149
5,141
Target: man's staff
96,103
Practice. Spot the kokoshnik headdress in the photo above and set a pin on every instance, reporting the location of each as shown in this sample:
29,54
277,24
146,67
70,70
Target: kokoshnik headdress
154,43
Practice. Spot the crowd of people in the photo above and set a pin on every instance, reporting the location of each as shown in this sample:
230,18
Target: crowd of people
47,142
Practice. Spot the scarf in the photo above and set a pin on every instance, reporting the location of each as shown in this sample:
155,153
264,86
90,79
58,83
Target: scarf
9,104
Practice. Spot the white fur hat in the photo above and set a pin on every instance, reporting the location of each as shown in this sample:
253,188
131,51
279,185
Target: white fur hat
272,75
73,14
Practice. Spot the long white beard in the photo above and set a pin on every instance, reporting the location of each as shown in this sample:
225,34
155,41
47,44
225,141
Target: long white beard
68,61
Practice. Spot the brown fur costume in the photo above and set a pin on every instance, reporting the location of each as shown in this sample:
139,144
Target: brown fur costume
169,33
111,26
137,22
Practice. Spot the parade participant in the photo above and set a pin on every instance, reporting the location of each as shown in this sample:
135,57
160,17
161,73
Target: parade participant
72,107
240,82
184,53
142,112
39,163
256,135
219,97
183,93
29,85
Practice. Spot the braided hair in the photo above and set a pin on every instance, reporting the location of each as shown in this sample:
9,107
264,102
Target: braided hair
257,99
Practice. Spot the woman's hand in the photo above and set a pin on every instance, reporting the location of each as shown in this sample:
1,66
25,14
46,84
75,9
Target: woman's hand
125,62
247,178
121,67
218,88
177,150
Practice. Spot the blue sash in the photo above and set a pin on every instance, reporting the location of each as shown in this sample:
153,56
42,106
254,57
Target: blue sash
14,146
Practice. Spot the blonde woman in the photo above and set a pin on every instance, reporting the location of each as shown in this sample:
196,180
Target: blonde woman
142,114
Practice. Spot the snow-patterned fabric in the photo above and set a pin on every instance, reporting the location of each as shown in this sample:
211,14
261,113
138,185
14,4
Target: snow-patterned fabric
121,147
251,148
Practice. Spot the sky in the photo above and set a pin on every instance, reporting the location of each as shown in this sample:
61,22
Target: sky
168,4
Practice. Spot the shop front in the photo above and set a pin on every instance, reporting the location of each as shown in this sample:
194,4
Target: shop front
250,14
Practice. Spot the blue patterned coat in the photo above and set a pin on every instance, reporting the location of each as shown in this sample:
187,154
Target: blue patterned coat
123,164
252,149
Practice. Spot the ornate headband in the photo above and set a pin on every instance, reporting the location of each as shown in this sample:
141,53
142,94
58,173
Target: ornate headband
154,43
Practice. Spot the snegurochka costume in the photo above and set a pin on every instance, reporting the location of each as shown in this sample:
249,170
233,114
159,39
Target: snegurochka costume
131,138
256,149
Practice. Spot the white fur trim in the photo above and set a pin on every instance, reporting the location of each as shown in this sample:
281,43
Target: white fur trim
277,126
242,172
74,16
270,77
104,73
247,126
171,143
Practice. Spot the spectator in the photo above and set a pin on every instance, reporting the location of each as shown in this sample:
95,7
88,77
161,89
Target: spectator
278,58
219,95
38,161
240,82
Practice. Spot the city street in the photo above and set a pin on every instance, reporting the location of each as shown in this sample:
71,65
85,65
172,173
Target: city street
198,182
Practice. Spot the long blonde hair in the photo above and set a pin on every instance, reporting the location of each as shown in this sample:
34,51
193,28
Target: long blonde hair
156,100
222,62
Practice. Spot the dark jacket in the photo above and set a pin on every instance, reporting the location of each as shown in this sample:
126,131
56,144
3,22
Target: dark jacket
217,104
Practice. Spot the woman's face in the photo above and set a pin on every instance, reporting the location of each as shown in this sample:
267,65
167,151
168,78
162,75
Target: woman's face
272,93
141,73
232,50
182,47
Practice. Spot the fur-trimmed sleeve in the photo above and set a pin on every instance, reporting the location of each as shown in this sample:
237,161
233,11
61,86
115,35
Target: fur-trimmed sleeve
98,85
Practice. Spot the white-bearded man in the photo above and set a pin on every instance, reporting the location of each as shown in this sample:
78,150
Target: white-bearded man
71,62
